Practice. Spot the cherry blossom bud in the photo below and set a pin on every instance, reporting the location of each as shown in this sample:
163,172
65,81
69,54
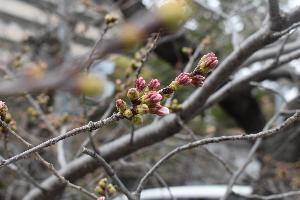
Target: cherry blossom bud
99,190
133,94
142,109
121,105
154,84
101,198
137,119
159,110
3,110
152,98
140,83
111,189
103,182
207,63
183,78
174,85
127,113
198,80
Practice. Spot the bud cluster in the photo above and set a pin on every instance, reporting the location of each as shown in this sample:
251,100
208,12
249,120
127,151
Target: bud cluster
144,98
6,117
105,188
147,98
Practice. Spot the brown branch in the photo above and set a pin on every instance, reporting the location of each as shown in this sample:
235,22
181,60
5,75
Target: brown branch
110,172
290,122
270,197
89,127
168,126
48,165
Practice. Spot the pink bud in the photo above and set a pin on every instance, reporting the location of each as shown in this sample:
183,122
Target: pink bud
154,84
198,80
159,110
183,78
120,104
211,61
207,63
2,104
163,111
101,198
152,97
140,83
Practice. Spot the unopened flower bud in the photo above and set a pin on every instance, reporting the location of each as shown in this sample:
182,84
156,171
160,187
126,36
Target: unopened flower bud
99,190
160,110
101,198
111,189
137,119
121,105
154,84
3,110
174,85
183,78
103,182
152,98
133,94
207,63
110,19
127,113
198,80
140,83
142,109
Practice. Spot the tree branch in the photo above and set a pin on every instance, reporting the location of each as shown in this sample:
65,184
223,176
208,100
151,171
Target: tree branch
290,122
90,126
110,172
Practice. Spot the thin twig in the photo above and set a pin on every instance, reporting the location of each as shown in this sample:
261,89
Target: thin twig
216,157
270,197
110,172
19,170
290,122
90,126
258,142
148,167
48,165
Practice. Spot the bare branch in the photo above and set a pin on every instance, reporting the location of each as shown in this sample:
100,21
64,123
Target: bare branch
110,172
90,126
274,13
270,197
290,122
47,164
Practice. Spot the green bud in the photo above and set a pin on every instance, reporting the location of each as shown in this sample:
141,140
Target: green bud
133,94
102,183
174,85
111,189
99,190
127,113
137,119
142,109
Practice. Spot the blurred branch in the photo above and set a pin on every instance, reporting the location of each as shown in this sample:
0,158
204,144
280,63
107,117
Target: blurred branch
270,197
274,13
